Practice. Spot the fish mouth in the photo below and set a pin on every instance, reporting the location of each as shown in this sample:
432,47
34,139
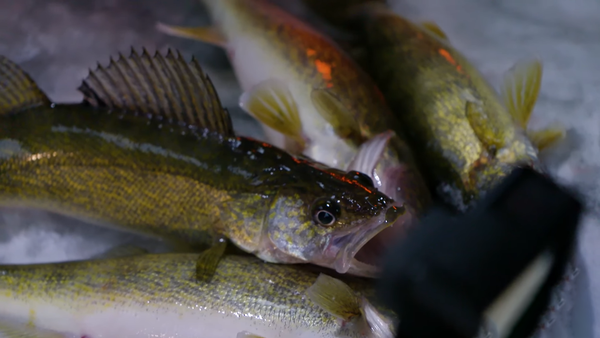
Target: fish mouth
346,260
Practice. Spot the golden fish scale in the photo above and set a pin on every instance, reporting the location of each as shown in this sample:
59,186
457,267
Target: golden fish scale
100,181
242,285
431,99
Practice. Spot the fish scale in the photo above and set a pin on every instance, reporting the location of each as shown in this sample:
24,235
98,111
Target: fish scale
135,164
158,294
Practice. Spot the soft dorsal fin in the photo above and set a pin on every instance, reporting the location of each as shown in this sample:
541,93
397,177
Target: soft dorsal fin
163,85
17,90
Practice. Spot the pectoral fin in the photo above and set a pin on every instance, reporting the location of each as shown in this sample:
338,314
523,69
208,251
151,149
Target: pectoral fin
208,35
272,103
546,138
433,28
478,120
339,117
17,90
369,153
208,261
520,89
335,297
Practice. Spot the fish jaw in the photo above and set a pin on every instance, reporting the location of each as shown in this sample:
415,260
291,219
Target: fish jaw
345,247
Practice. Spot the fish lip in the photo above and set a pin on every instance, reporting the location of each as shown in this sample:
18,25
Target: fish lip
345,261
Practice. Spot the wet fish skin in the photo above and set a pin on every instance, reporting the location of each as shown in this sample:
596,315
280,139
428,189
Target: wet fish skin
147,173
465,135
157,294
268,47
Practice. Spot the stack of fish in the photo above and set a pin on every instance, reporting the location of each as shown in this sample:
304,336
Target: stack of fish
258,230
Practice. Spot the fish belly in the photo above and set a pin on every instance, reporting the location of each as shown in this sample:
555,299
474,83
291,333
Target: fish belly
140,321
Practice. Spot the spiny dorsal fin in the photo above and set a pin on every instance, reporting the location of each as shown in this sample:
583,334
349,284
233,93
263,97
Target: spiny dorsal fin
165,86
17,90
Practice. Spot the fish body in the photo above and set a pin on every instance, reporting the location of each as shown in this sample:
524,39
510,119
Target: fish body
151,174
311,97
466,136
158,295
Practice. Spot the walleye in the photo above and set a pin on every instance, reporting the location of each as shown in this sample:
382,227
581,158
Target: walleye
158,295
152,151
466,136
311,98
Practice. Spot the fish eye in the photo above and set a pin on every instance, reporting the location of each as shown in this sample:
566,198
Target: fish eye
363,179
326,213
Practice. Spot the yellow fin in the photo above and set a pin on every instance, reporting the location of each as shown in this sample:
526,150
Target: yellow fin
208,261
17,90
433,28
379,325
520,89
205,34
11,330
121,251
338,116
163,85
478,120
547,137
272,103
246,334
335,297
369,153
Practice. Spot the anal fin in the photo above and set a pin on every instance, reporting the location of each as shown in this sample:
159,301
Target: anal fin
17,90
208,35
164,85
272,103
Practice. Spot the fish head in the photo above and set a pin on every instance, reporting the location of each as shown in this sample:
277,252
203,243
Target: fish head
325,218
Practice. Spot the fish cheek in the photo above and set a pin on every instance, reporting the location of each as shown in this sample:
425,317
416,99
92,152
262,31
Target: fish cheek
291,230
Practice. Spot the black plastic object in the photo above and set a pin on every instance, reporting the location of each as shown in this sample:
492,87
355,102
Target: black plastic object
444,275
